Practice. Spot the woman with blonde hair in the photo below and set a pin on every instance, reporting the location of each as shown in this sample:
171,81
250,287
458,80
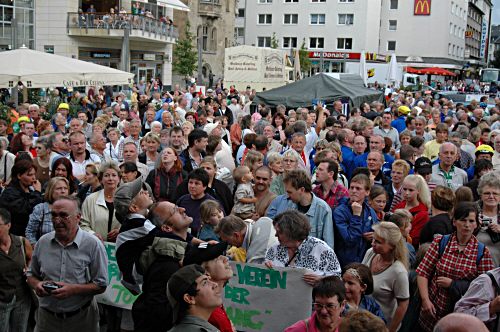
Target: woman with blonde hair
275,162
388,262
417,200
150,154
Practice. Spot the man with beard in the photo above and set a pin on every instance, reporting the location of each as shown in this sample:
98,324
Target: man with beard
68,267
263,176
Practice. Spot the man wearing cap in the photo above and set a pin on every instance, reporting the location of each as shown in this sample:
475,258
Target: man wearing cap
400,122
483,151
445,173
62,109
193,297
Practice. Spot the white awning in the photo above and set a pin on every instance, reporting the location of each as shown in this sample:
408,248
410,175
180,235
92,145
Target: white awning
175,4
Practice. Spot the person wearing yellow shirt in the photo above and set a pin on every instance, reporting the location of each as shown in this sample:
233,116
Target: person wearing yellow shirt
431,148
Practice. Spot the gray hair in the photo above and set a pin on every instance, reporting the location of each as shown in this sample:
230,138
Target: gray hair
155,123
122,124
293,224
4,142
229,225
491,179
291,153
273,157
463,130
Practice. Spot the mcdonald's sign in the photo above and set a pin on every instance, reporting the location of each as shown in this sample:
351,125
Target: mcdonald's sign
422,7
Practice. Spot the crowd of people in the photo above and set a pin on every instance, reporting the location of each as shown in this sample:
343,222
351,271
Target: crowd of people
391,209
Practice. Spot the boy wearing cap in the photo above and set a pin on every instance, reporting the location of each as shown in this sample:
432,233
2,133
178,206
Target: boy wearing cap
193,297
483,151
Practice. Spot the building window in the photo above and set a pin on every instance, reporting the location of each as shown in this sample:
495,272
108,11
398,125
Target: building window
394,4
346,19
48,49
213,40
265,18
317,19
291,18
449,49
316,42
391,45
264,41
239,32
344,43
241,12
451,28
346,1
289,42
452,7
290,1
393,25
314,1
265,1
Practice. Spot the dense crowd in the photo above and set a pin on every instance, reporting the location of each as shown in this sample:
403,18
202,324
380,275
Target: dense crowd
392,209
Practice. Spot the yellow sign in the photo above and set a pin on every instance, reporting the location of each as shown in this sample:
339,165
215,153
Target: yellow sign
422,7
371,72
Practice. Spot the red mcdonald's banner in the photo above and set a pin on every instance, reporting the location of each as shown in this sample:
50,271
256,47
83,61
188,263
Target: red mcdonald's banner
422,7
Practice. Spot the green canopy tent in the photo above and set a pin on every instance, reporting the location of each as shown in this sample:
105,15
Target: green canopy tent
321,87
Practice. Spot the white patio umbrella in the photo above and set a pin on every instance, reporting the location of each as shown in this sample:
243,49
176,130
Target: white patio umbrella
392,73
44,70
362,68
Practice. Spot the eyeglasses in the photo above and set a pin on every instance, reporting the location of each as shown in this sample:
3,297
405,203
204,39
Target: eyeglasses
330,306
61,216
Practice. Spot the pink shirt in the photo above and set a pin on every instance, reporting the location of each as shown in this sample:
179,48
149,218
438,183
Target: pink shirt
300,326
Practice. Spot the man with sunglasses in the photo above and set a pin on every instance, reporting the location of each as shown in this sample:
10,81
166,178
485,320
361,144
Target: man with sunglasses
68,267
59,147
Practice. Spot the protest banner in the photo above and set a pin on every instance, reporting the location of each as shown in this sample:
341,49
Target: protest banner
116,294
261,299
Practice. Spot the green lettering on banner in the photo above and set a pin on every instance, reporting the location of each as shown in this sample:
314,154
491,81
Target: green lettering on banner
244,318
266,278
113,272
110,250
123,295
236,294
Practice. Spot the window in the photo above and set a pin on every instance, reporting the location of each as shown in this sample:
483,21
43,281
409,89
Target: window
313,1
316,42
239,32
290,1
317,19
451,28
449,49
394,4
264,41
393,25
344,43
289,42
265,1
291,18
241,12
346,1
346,19
48,49
452,7
391,45
265,18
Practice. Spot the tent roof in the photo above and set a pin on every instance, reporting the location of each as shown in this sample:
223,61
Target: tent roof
319,87
43,70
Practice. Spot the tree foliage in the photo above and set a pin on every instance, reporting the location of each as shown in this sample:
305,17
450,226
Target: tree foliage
274,41
185,55
305,62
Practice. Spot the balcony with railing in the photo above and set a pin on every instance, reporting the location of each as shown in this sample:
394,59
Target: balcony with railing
210,8
105,25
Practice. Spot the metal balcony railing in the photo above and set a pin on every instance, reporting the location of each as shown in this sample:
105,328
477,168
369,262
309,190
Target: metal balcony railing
150,27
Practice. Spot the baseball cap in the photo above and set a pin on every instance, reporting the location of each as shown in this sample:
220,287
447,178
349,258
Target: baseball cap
404,110
179,283
484,148
204,252
23,119
423,165
124,196
63,106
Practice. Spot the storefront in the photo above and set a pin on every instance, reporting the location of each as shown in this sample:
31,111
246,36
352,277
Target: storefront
334,62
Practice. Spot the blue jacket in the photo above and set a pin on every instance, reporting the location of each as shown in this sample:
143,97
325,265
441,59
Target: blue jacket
368,303
319,215
399,123
349,243
360,161
347,160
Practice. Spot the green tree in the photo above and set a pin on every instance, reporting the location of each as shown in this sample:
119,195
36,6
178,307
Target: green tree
274,41
305,62
496,61
185,55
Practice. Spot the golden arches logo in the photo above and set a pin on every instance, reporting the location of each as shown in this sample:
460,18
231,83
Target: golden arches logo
422,7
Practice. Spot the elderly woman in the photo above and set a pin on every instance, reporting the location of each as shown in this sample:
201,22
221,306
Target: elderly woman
42,160
112,150
98,209
291,161
40,220
167,120
150,154
167,176
489,212
21,195
297,249
328,303
275,162
449,265
388,262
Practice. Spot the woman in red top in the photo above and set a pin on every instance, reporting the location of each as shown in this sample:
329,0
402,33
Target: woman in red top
417,200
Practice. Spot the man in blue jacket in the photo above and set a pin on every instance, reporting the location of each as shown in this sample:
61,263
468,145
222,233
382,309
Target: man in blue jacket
353,220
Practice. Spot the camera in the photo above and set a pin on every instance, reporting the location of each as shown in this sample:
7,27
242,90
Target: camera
50,286
486,222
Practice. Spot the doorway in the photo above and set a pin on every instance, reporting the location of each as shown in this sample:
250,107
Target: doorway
147,74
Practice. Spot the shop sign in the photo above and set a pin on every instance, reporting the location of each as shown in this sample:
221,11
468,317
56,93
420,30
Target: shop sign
334,55
469,34
100,55
484,37
149,57
422,7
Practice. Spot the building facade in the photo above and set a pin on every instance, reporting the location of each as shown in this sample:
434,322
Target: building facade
477,35
109,33
420,32
212,25
17,24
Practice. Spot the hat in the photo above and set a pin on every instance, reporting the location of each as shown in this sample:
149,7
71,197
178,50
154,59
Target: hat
130,167
423,165
404,110
124,196
63,106
204,252
23,119
210,90
179,283
209,127
484,148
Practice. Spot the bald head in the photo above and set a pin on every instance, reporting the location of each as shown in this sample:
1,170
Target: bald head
457,322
